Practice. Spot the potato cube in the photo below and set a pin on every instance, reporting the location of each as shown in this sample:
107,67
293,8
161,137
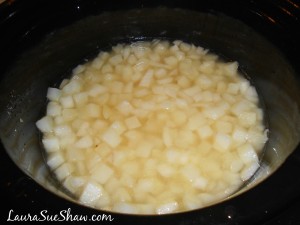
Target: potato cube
111,137
132,122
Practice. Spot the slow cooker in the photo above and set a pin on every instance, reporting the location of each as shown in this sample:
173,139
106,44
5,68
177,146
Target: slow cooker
41,41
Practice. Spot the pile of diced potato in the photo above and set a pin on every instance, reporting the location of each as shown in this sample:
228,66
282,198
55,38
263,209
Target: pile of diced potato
153,128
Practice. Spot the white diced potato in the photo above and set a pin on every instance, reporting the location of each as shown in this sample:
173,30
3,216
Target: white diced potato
67,101
122,195
116,87
51,144
190,172
54,160
160,73
184,138
103,201
111,137
168,207
179,117
74,86
63,171
116,59
240,107
196,121
78,69
205,131
165,170
222,142
144,149
53,109
97,89
83,128
190,202
244,85
248,172
236,165
73,183
84,142
233,88
132,122
101,173
191,91
171,60
53,94
251,94
91,193
200,183
247,153
92,110
125,107
97,63
247,119
147,79
69,114
118,126
62,130
80,98
231,68
123,207
45,124
240,135
167,137
223,127
184,82
145,185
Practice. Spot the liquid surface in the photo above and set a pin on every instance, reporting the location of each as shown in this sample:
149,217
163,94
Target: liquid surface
153,128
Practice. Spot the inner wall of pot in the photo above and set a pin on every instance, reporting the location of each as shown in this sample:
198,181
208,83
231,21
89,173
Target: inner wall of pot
24,86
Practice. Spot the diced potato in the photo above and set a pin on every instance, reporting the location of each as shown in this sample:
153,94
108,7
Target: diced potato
69,114
111,137
167,207
205,131
45,124
196,121
73,183
84,142
147,79
63,171
80,98
91,193
53,94
247,119
165,170
74,86
54,160
249,170
101,173
122,195
123,207
67,101
78,69
179,117
97,90
116,59
53,109
62,130
222,142
247,153
92,110
132,122
51,144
